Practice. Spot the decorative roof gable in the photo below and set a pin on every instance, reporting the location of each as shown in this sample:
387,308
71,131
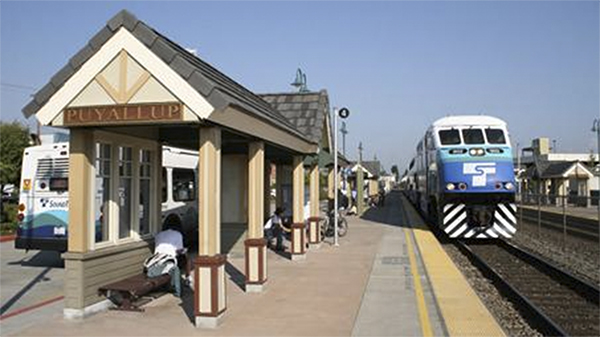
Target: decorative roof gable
203,88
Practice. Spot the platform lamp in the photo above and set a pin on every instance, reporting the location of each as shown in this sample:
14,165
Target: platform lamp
342,113
300,81
596,129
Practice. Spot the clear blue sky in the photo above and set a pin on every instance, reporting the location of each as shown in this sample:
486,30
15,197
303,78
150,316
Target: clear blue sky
397,66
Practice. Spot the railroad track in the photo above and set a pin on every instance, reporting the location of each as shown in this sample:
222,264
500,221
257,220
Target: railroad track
576,226
555,302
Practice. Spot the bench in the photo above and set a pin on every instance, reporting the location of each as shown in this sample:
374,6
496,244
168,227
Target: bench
131,289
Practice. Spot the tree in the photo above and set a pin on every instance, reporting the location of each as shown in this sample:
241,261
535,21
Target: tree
14,138
395,172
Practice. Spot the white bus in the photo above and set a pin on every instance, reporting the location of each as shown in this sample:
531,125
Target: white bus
44,198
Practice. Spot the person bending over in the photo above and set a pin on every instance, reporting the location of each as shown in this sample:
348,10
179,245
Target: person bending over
169,257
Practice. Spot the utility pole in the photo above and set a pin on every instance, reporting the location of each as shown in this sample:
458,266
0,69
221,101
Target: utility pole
360,201
344,132
596,129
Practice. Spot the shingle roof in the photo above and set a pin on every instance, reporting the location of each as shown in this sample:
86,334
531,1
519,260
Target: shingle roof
216,87
306,111
546,170
372,166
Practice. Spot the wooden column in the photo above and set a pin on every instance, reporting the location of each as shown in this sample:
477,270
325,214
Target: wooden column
81,173
298,234
256,254
314,233
373,187
209,266
81,223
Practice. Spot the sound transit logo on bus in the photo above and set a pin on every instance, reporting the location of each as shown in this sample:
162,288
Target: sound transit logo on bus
479,171
123,114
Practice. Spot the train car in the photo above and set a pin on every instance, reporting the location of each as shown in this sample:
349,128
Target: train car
462,177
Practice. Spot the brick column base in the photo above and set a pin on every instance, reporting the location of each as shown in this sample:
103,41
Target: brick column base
314,232
256,264
210,297
298,241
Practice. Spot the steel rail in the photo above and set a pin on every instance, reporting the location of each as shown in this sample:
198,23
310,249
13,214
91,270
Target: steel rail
548,328
577,230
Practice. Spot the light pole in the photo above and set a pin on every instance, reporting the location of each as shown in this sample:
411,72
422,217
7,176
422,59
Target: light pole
596,129
344,132
342,113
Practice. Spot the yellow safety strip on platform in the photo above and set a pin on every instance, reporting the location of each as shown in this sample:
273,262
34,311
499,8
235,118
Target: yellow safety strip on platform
423,313
463,312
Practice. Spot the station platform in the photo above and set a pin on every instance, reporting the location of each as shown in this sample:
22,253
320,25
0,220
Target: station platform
388,277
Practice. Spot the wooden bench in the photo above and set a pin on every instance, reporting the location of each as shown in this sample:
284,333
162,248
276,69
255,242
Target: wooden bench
131,289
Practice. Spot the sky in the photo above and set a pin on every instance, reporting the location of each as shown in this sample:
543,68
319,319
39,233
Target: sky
397,66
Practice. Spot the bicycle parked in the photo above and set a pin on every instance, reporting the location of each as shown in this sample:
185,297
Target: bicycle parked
327,229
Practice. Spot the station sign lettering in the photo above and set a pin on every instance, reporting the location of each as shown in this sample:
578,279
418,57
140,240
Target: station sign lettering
122,114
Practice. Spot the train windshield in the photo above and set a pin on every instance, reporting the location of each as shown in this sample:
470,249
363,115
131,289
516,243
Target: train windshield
473,136
495,136
449,137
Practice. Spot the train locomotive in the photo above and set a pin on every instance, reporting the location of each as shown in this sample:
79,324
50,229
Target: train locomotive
462,176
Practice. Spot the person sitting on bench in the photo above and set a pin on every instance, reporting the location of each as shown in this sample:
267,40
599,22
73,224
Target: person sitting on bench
169,256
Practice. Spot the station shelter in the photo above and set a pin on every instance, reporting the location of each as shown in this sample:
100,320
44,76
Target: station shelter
371,171
123,96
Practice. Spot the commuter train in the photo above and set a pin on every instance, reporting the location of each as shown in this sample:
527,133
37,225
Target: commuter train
462,176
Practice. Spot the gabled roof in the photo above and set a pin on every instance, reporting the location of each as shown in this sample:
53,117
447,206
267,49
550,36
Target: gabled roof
218,89
371,166
545,170
307,111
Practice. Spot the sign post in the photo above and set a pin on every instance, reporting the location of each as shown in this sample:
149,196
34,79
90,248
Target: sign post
342,113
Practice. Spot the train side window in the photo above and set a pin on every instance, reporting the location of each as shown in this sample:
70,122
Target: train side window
473,136
183,185
495,136
449,137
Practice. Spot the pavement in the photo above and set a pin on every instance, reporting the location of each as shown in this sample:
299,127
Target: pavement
372,284
27,279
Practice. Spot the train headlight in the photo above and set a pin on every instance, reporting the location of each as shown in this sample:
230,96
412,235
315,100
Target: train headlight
462,186
476,152
509,186
450,186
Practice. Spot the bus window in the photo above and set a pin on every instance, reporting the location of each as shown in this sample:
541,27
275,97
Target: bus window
473,136
449,137
183,185
59,184
164,185
495,136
